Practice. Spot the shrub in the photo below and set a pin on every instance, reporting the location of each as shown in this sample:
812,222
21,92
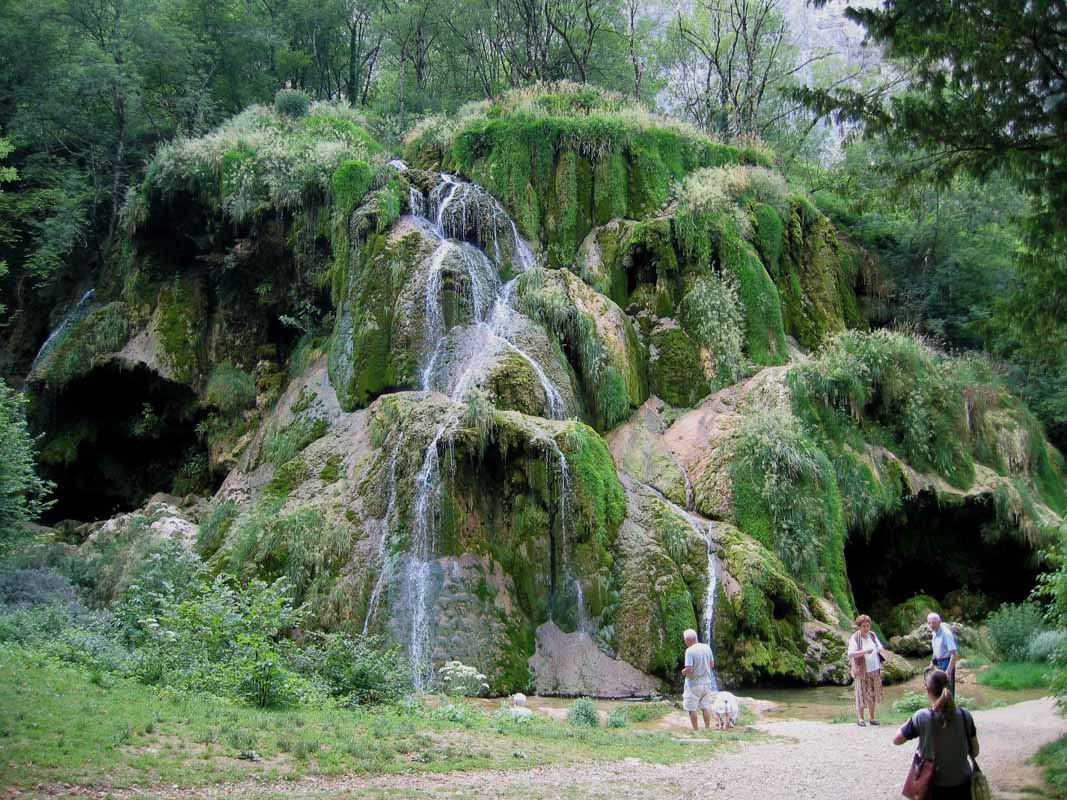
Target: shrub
456,678
1011,628
360,670
617,718
23,495
583,713
292,103
21,588
230,389
1045,644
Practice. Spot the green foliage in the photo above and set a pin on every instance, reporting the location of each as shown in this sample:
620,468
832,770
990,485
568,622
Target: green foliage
711,310
359,670
617,718
647,712
1015,675
23,493
786,497
291,103
261,161
599,500
1053,759
582,713
350,183
1012,626
281,444
230,389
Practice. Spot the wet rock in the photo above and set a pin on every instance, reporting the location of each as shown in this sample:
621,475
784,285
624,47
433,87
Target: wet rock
571,664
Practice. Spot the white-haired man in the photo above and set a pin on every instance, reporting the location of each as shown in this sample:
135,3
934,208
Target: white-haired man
944,647
698,694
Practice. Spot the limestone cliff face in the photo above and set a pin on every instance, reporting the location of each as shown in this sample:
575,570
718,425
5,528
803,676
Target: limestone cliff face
541,423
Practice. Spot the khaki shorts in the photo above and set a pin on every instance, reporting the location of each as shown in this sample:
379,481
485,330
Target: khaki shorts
698,698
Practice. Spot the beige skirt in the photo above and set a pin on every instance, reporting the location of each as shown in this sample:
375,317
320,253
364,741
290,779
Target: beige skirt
869,690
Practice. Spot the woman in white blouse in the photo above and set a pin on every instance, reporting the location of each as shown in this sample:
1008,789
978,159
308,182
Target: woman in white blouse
865,655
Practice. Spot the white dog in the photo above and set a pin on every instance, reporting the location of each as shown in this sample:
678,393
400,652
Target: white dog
725,708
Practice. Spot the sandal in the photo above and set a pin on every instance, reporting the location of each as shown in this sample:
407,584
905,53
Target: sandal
875,722
861,723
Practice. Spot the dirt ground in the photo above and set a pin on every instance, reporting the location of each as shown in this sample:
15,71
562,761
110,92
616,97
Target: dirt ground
797,759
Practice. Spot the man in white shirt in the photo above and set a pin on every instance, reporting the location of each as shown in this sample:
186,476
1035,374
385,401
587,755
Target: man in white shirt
944,647
698,694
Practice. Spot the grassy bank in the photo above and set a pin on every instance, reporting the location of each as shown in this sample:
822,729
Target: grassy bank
62,725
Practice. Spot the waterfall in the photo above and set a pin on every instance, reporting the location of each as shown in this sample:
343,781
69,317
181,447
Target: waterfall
387,522
72,316
703,529
709,603
446,216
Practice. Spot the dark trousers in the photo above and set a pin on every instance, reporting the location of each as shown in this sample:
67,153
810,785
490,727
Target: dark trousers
961,792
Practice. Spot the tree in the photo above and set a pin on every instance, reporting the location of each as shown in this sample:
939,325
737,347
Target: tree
735,62
23,494
985,93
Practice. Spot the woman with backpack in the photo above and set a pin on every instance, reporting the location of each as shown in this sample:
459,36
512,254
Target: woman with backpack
947,738
865,656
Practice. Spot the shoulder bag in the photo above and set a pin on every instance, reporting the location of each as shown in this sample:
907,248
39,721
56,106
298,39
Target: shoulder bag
979,784
921,772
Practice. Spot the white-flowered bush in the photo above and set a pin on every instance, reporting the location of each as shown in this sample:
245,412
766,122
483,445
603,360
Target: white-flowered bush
457,679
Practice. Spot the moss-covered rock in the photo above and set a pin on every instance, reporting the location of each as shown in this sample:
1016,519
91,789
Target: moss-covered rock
641,453
904,617
380,334
596,336
675,370
565,158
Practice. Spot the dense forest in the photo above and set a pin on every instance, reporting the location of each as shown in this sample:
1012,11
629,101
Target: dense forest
468,329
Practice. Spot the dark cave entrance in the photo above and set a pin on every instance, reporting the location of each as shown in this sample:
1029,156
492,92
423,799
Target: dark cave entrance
931,548
115,437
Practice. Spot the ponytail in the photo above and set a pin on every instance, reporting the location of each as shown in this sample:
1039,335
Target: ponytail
937,684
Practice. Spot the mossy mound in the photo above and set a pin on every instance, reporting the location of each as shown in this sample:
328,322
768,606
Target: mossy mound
597,338
565,157
759,631
904,617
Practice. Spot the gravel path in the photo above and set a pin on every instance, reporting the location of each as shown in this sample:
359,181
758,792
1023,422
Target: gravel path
798,759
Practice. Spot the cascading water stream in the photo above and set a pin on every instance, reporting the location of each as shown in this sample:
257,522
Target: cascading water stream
387,522
488,301
703,529
72,316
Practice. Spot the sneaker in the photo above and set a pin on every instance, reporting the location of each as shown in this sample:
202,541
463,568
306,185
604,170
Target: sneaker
875,722
861,723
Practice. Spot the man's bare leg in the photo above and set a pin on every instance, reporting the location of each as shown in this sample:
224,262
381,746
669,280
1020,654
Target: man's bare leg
693,720
707,718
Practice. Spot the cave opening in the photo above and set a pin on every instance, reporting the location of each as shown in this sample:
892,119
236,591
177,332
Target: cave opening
936,549
118,435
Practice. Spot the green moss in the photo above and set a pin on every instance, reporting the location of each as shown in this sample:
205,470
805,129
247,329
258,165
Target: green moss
366,356
609,364
83,344
675,372
331,470
770,232
599,500
179,323
350,183
559,168
286,478
759,631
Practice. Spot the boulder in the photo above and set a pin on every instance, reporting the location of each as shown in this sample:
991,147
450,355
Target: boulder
905,616
917,642
570,664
